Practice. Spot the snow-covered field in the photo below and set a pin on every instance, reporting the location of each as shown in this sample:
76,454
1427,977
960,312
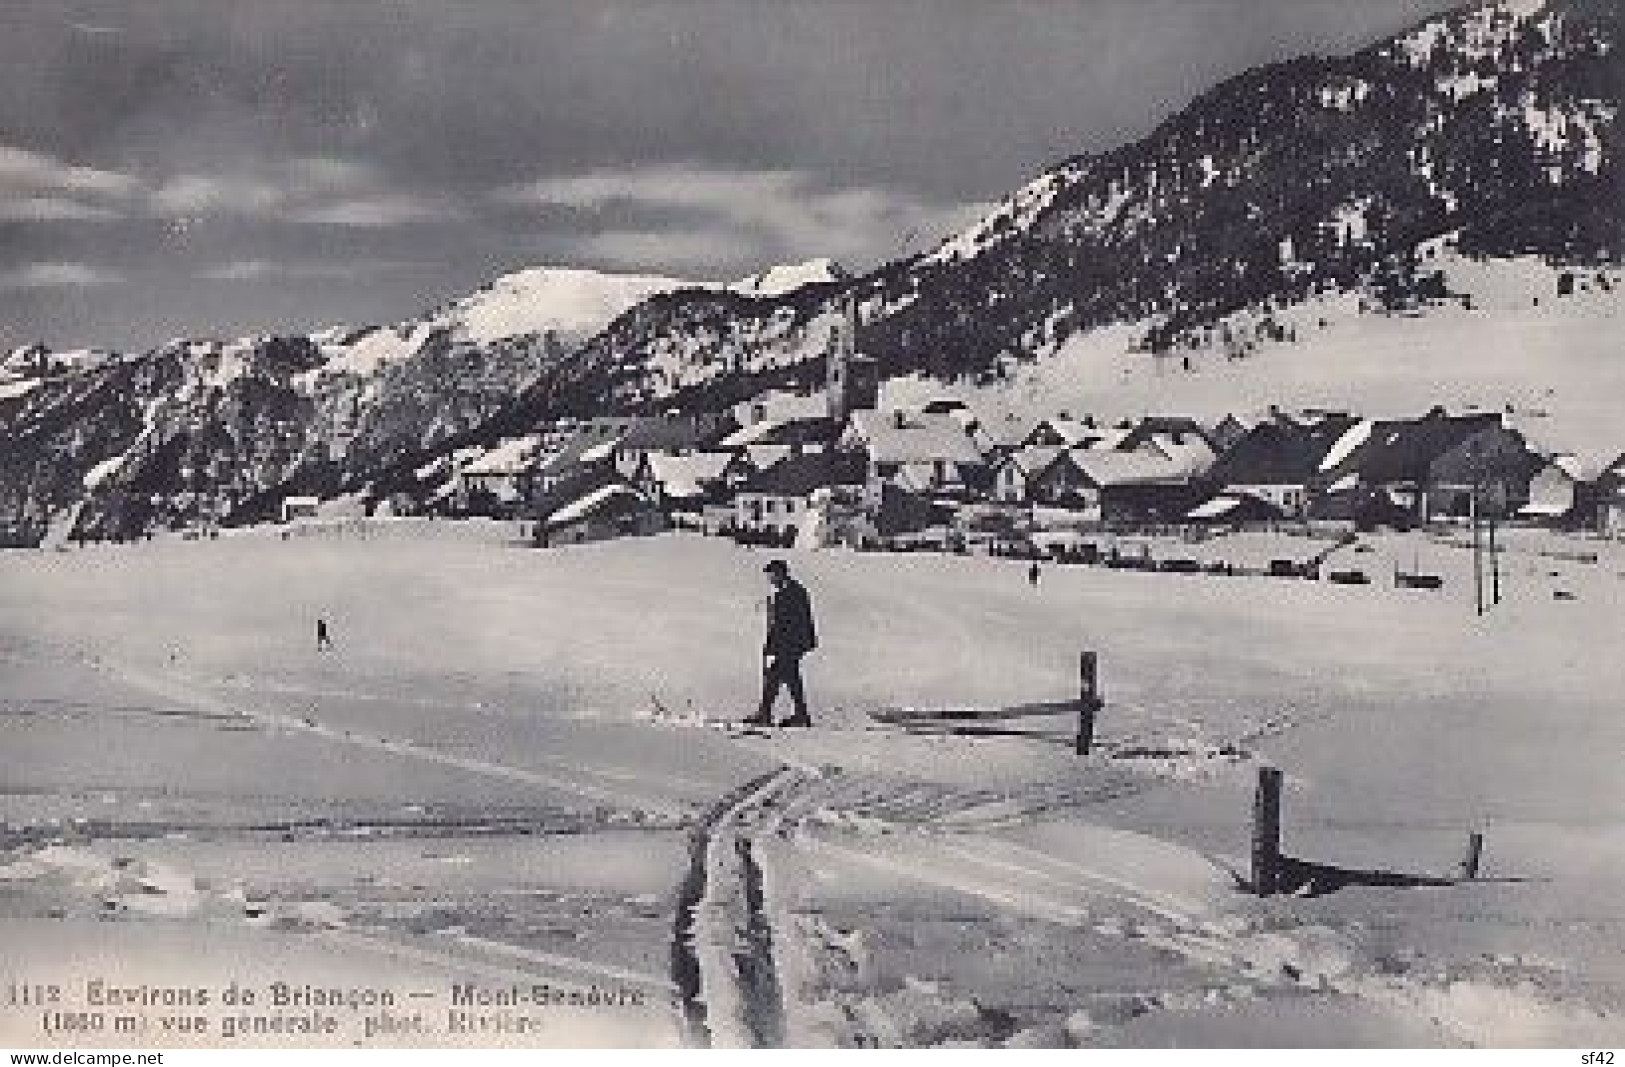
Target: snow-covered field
499,776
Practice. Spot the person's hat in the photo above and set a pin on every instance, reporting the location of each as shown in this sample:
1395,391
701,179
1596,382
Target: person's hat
776,566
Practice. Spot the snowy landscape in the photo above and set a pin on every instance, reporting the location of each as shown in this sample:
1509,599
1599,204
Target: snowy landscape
502,774
383,682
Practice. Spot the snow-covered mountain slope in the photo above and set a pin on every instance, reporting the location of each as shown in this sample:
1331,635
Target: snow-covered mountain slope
205,430
1493,127
1505,341
572,303
788,277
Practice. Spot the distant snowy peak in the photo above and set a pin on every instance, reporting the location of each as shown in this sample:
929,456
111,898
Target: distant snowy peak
37,361
788,277
567,301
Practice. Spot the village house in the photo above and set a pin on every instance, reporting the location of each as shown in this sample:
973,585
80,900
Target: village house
612,510
1415,470
673,434
1128,487
777,500
1278,462
931,455
686,483
498,482
766,443
1562,492
1014,475
583,463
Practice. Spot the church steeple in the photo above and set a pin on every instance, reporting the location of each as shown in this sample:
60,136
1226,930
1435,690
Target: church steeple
852,380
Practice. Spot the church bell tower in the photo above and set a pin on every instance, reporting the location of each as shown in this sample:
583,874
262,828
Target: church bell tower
852,380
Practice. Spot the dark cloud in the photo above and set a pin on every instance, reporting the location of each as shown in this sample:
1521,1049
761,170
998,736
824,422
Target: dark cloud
180,166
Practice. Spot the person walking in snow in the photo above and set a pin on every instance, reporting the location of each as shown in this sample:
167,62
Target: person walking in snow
324,640
790,636
1032,575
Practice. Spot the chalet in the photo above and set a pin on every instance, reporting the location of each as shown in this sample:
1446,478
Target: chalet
1278,461
499,481
676,434
687,482
1494,462
1130,487
777,500
927,454
1417,469
1014,475
582,464
1562,492
612,510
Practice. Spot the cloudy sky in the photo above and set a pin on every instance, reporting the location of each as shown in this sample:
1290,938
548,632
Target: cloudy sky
208,167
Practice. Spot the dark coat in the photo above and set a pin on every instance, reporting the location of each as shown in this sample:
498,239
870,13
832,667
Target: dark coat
790,629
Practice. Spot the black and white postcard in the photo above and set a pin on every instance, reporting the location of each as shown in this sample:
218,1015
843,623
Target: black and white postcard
726,523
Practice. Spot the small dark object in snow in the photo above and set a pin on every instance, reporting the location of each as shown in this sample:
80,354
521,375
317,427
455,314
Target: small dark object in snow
1349,578
1563,594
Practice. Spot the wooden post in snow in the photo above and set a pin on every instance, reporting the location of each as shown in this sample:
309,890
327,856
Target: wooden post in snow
1267,831
1475,850
1089,702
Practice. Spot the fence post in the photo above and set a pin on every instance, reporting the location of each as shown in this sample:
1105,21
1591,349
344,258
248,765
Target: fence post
1089,702
1267,831
1475,850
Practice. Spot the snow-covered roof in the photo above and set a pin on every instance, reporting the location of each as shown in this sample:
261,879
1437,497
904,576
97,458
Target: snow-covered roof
1344,484
14,389
802,430
764,456
907,437
592,502
602,451
101,471
1035,458
1215,508
1352,438
1189,452
686,475
779,405
1126,468
513,456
